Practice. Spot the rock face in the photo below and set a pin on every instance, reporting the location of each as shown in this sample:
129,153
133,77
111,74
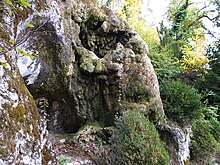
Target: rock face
177,142
23,134
90,65
81,64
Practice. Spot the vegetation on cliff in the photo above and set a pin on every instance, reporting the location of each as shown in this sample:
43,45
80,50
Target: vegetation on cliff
184,50
94,66
135,140
185,54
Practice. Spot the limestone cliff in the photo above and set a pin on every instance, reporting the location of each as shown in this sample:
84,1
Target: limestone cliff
88,65
23,134
23,129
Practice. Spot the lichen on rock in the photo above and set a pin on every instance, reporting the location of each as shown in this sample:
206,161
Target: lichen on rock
23,136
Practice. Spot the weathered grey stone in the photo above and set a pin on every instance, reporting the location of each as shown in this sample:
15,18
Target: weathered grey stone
90,66
91,63
177,142
23,134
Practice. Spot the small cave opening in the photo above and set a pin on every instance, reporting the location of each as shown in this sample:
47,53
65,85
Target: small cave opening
49,89
59,113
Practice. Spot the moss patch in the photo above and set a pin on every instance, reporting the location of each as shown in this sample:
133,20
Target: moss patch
18,113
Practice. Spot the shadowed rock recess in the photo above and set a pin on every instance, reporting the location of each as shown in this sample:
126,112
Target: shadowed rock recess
89,66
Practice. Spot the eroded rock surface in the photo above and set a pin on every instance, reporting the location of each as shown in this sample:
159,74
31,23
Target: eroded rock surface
23,134
177,142
90,66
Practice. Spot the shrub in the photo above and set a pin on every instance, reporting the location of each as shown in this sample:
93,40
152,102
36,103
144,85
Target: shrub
166,66
181,101
136,141
203,145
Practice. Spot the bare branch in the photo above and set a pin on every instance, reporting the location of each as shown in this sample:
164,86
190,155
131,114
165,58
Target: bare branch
24,38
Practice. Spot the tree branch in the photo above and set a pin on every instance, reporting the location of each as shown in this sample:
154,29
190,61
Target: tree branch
23,39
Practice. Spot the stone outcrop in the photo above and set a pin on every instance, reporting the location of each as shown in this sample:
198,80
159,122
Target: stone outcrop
81,64
23,134
90,65
23,129
177,142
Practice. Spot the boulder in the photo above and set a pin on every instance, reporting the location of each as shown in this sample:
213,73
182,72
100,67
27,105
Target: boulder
90,65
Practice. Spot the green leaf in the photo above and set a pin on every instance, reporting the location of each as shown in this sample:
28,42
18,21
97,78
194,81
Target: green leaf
11,41
8,2
29,25
0,48
4,64
24,3
31,56
22,52
39,14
